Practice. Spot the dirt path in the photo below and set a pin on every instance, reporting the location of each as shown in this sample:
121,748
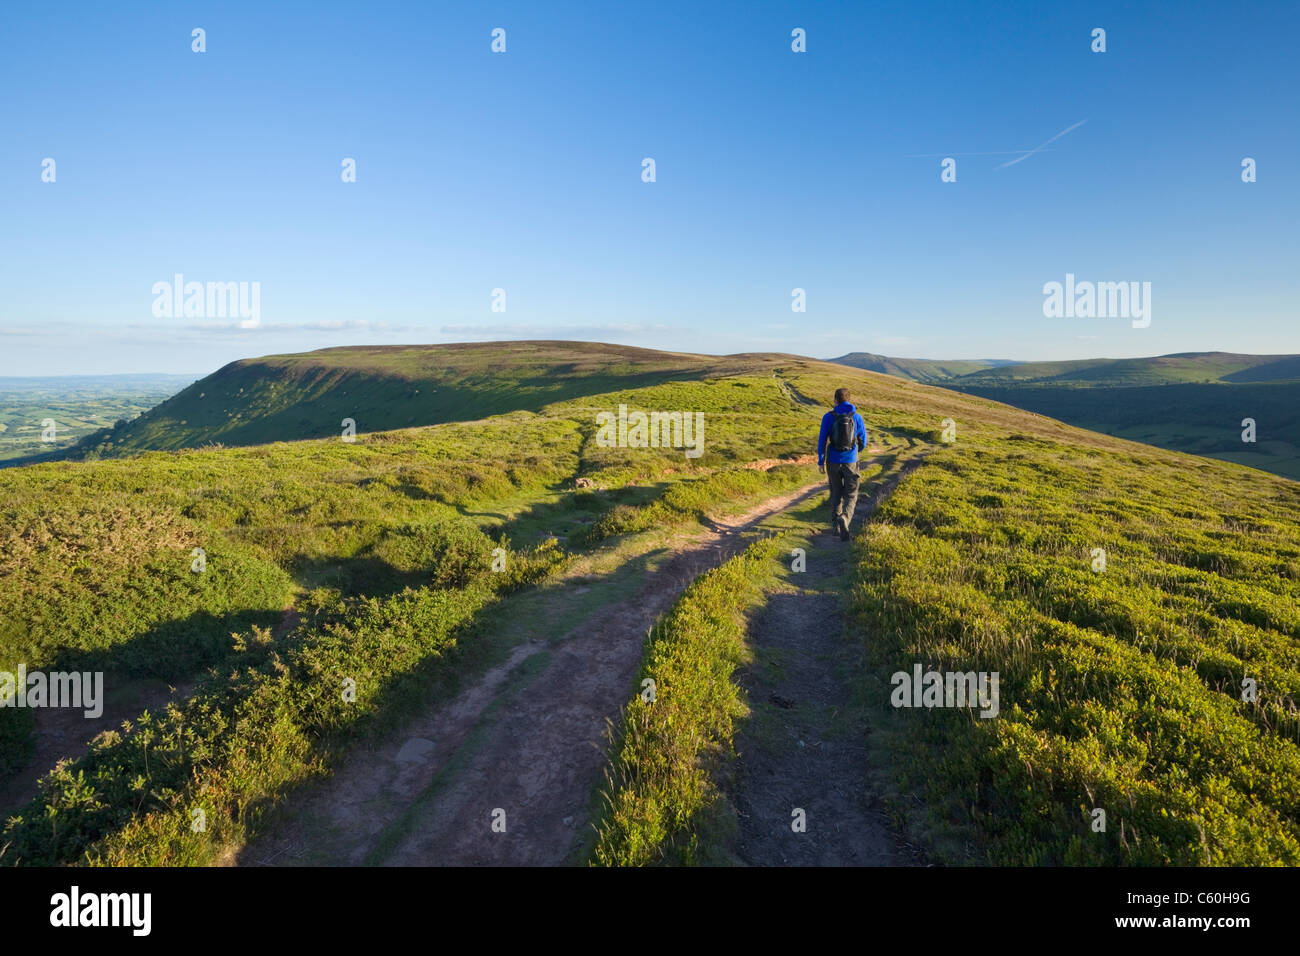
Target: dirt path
527,739
803,748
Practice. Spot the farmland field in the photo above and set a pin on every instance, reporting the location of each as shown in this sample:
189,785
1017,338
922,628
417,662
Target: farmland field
43,415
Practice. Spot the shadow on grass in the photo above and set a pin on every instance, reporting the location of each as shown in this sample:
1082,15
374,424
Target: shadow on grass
568,516
363,575
169,650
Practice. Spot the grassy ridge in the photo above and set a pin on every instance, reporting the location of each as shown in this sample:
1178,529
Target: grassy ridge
659,776
308,395
98,555
1120,689
1194,402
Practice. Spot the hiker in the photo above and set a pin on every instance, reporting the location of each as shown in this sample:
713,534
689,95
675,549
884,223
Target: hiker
843,435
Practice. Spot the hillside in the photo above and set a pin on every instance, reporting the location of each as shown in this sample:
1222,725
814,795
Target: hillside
307,395
930,371
1179,368
1201,419
423,569
1194,402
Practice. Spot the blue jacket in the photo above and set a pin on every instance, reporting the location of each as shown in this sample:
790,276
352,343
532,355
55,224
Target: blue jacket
824,451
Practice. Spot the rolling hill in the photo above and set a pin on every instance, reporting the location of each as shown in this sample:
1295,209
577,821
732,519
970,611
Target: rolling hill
1178,368
1195,402
307,395
930,371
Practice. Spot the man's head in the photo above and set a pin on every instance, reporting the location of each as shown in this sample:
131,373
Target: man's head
842,395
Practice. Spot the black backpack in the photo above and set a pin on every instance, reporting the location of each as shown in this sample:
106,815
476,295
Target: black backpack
844,432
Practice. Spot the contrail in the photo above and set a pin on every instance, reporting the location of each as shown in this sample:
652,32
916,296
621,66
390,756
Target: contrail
1012,162
987,152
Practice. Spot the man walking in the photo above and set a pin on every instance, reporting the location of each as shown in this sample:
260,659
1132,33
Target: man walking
843,435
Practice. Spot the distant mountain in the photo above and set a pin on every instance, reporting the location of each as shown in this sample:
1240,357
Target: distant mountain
1190,401
919,370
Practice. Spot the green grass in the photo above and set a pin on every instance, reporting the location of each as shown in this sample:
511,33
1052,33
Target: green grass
98,570
1119,690
659,777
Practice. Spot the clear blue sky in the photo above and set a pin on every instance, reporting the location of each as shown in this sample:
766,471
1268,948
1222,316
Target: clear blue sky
522,171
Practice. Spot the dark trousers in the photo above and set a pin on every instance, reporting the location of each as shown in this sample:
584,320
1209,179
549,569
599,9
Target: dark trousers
843,480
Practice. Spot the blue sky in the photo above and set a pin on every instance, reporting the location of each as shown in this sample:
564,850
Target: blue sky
522,171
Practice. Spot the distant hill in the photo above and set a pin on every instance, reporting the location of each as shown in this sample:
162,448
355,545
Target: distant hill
1187,401
918,370
308,395
1191,401
1179,368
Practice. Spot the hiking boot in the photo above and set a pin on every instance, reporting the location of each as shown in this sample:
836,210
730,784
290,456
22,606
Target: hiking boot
842,527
